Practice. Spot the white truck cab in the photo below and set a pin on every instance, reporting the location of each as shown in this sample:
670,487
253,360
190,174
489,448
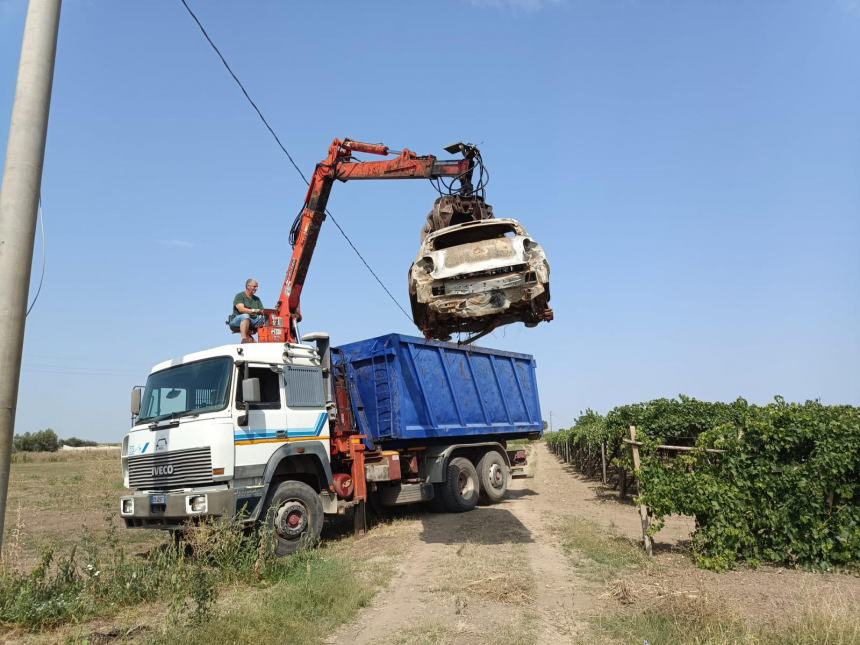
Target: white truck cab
222,431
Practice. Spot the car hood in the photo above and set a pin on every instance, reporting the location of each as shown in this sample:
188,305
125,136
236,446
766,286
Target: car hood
475,257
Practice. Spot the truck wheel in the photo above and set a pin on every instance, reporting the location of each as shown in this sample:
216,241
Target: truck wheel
296,516
460,489
494,474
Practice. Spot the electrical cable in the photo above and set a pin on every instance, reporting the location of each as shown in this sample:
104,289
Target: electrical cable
297,221
44,258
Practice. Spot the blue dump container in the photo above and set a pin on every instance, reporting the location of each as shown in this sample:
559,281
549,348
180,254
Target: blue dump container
411,390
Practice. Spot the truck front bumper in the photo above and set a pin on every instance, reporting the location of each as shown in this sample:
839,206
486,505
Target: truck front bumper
170,509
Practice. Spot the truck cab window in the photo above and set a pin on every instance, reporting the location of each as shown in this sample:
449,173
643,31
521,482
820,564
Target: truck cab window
270,388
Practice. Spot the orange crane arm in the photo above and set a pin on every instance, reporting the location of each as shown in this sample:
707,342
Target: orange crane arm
340,165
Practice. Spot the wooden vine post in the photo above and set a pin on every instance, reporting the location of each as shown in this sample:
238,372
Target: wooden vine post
643,510
603,460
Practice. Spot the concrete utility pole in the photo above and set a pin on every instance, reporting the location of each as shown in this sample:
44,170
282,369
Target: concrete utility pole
19,202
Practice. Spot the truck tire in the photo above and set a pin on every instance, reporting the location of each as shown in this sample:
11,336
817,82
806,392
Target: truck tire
460,489
494,475
296,516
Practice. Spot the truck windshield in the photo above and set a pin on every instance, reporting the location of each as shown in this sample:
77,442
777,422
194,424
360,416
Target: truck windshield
202,386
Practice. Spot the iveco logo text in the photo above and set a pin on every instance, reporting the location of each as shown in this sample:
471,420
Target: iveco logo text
162,470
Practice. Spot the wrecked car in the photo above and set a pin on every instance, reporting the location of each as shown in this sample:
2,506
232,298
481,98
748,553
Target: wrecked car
475,276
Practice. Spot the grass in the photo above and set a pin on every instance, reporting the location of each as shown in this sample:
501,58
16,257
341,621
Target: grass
673,621
52,496
688,618
493,572
598,554
108,453
507,632
702,621
310,598
69,566
305,595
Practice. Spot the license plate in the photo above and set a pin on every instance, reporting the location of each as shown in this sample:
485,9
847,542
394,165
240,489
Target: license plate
157,499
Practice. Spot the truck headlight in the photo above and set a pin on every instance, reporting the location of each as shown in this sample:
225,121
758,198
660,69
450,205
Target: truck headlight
126,506
195,504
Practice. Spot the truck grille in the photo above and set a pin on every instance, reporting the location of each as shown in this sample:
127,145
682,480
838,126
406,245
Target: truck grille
177,469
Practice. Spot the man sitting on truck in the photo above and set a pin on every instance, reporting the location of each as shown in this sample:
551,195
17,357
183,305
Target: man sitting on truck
247,312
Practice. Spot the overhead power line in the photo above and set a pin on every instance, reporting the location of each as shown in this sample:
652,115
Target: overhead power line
287,152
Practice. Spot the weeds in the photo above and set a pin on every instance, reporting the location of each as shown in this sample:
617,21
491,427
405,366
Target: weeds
96,577
305,597
703,621
602,554
676,620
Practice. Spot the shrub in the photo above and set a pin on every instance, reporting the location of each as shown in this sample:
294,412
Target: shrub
74,442
42,441
97,577
785,490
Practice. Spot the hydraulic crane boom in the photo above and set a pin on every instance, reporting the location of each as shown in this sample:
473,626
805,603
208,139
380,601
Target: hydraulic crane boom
340,165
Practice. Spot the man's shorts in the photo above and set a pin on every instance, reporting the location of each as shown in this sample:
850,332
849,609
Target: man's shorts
256,321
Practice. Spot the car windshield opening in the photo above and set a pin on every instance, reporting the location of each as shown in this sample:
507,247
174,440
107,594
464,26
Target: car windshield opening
202,386
469,234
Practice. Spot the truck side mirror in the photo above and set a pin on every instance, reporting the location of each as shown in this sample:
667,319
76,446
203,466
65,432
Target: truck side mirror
136,394
251,390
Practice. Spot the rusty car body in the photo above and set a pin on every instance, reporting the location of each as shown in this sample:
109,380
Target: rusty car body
475,276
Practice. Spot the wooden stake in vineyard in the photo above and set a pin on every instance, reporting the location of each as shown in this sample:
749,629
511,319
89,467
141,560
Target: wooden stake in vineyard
603,460
643,510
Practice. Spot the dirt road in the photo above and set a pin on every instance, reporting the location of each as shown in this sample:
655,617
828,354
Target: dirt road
503,574
496,574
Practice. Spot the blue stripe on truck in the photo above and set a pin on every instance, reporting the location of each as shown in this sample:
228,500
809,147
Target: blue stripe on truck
262,434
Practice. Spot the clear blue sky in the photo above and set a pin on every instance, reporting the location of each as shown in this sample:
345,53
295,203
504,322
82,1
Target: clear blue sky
692,169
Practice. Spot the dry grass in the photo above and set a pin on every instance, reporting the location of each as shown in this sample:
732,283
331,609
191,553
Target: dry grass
98,453
705,620
53,496
598,555
504,632
498,573
667,600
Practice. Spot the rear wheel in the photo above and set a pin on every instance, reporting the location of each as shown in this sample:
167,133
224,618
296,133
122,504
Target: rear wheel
494,474
461,488
296,516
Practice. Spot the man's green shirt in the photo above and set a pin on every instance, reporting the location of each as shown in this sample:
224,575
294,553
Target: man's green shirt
251,303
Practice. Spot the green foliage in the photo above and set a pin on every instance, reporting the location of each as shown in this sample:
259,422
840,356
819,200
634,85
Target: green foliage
42,441
308,595
96,577
582,442
74,442
785,490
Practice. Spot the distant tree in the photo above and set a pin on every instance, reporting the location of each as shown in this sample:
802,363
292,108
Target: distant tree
74,442
42,441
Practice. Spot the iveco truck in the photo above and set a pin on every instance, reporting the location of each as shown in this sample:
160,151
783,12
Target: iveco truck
288,433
